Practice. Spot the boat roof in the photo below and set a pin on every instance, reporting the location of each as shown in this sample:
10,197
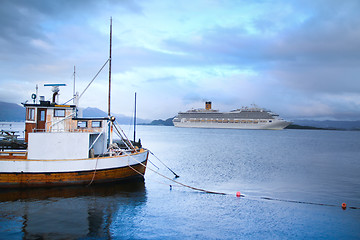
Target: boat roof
47,104
91,118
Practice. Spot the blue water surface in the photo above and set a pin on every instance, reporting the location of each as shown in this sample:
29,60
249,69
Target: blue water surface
293,182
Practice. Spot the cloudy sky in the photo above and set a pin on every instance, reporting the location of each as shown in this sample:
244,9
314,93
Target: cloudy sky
300,59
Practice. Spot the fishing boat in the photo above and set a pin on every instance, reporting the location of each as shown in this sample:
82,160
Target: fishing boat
64,148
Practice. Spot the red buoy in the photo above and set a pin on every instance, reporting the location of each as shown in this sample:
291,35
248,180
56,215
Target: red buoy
238,194
343,205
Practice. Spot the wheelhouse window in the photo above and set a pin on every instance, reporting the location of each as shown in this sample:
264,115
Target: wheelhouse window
31,114
82,124
96,124
59,113
42,115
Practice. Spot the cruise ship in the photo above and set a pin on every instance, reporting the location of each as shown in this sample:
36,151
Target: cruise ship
245,118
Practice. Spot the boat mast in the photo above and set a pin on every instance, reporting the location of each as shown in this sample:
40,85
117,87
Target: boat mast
135,120
109,100
74,100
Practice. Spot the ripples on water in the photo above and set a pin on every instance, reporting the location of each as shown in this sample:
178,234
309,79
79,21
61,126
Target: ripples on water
300,165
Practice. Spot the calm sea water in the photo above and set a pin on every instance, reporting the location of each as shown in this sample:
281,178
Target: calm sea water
321,167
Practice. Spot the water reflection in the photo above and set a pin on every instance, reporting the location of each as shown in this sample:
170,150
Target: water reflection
67,212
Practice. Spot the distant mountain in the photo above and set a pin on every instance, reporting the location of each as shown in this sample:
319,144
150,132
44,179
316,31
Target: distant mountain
121,119
11,112
167,122
93,112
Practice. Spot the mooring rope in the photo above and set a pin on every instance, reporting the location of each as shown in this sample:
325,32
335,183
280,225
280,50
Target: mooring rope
309,203
140,173
93,177
97,159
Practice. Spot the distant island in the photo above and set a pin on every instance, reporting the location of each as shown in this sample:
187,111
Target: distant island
295,126
11,112
160,122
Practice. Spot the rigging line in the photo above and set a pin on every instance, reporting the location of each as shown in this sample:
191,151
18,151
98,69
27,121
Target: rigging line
131,121
125,141
154,164
132,146
68,101
130,125
94,78
176,176
119,134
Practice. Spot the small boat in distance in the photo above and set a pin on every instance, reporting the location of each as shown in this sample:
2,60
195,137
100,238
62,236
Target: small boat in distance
64,148
244,118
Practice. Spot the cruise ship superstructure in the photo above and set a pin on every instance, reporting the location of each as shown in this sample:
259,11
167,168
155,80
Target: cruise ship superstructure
245,118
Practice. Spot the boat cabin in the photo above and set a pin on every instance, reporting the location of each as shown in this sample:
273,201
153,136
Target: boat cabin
54,131
47,117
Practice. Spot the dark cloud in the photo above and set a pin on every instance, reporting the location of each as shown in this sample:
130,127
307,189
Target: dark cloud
22,21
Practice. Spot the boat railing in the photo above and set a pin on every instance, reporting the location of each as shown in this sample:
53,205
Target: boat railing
13,154
38,130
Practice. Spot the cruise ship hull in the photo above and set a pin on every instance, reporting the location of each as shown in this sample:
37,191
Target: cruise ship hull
275,125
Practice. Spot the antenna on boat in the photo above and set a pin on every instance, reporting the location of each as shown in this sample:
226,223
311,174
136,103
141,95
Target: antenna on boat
37,93
135,120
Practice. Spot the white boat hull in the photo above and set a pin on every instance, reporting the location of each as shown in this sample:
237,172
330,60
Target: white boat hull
275,125
17,172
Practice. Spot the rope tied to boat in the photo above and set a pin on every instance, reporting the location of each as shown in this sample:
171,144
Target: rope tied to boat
97,160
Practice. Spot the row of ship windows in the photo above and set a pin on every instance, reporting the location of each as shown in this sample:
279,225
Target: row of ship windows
84,124
227,121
